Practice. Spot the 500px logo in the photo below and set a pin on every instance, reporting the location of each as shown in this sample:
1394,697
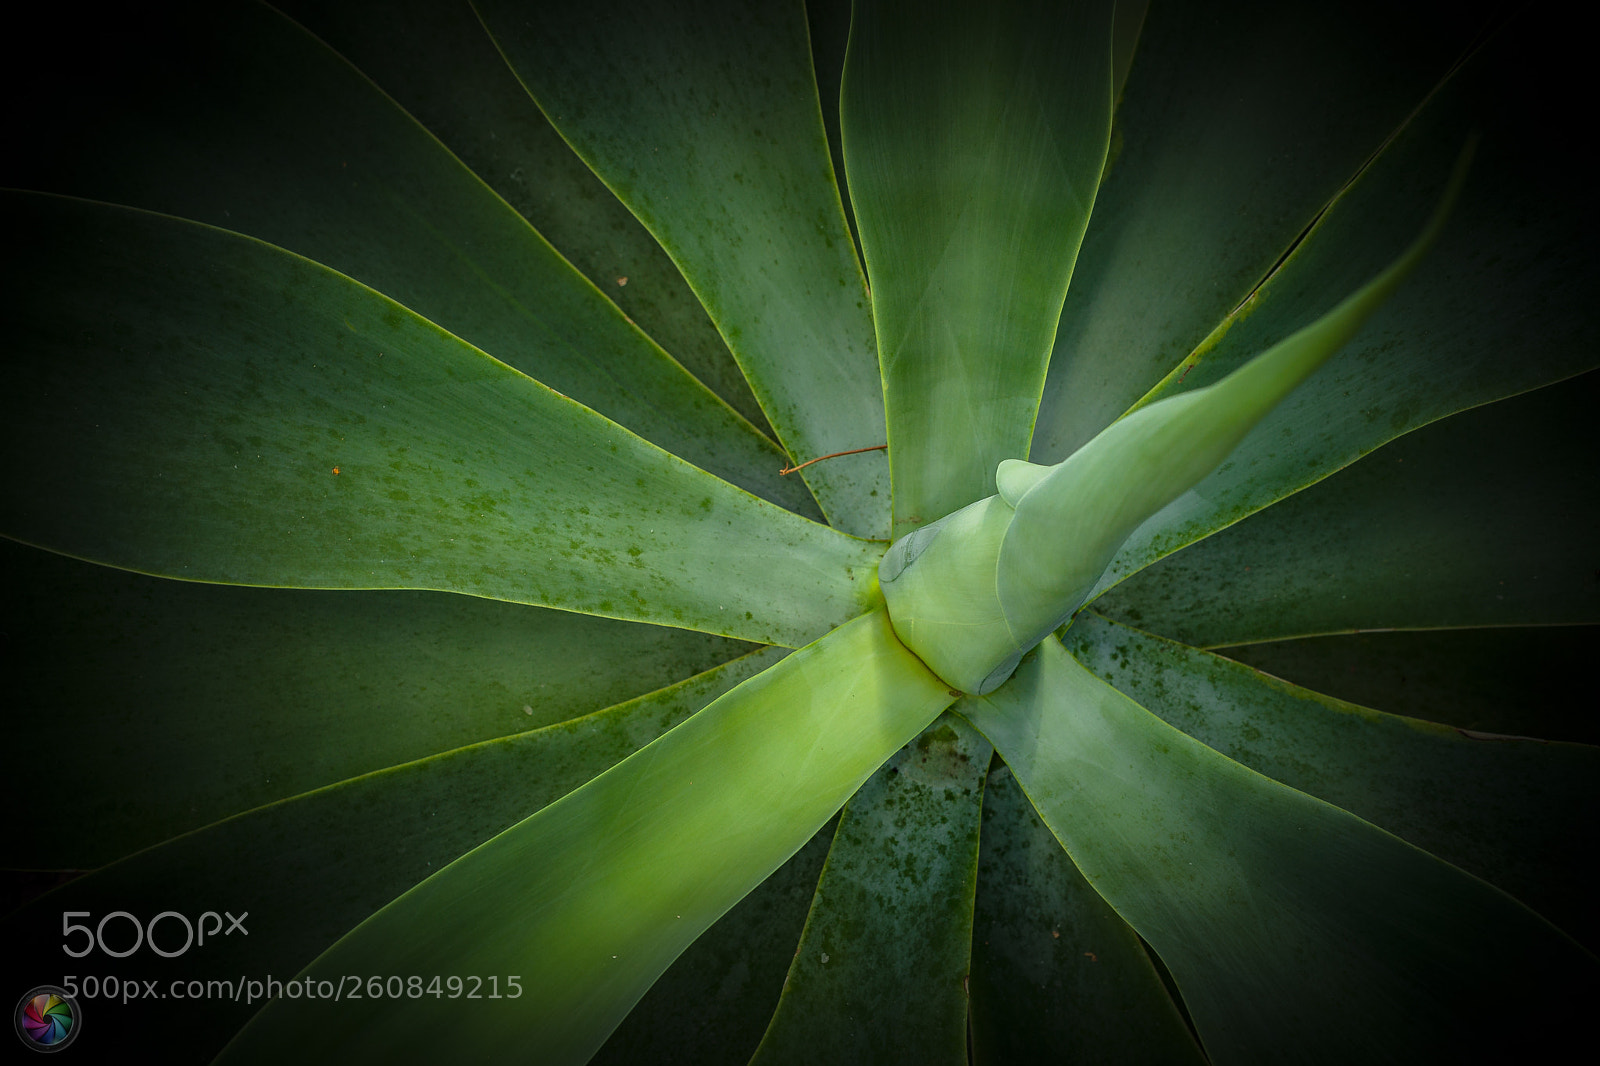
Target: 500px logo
48,1018
145,934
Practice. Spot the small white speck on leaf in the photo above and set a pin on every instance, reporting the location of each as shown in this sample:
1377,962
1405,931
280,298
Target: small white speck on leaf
824,958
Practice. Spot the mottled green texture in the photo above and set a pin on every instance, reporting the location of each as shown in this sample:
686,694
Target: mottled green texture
1500,306
288,426
594,897
310,868
880,974
1455,676
712,1005
1489,517
438,64
1240,121
240,119
703,118
975,136
1056,975
189,702
1285,921
1402,774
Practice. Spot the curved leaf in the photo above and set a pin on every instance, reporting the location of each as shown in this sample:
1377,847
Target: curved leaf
304,871
591,899
1212,175
192,403
975,136
1056,975
1502,304
1456,676
1482,803
880,974
238,118
438,63
1293,928
712,1005
1489,517
704,119
190,702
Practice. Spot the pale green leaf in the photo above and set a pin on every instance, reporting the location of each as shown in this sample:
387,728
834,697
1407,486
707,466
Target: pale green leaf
303,872
880,974
591,899
974,137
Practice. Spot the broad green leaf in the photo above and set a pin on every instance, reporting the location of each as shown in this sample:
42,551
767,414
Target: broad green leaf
974,137
972,592
1500,306
1056,975
1212,174
192,403
1489,517
712,1005
703,118
1455,676
1293,929
591,899
240,119
437,62
881,972
310,868
190,702
1483,803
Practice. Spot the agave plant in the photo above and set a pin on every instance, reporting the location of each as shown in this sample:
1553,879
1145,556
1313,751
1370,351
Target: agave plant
483,557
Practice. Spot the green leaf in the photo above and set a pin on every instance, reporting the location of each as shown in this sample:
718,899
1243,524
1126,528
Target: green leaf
704,119
590,900
1056,975
240,119
437,63
1292,928
1455,676
1481,803
975,136
190,702
1213,174
308,869
880,974
284,425
1500,306
712,1005
1488,517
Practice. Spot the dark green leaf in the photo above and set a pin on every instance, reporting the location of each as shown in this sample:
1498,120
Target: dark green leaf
234,116
189,702
1214,171
703,118
308,869
1056,975
1483,803
1532,680
1294,929
974,136
438,64
1489,517
880,974
192,403
1501,305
